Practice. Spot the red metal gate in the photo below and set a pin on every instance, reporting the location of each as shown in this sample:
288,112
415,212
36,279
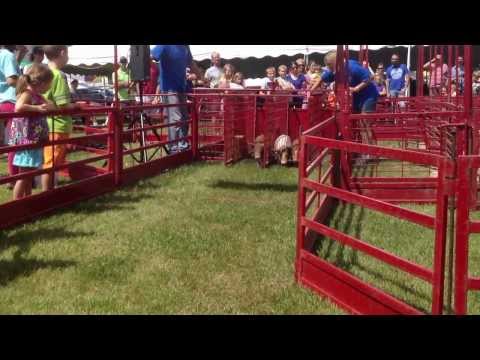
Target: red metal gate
348,291
95,170
467,189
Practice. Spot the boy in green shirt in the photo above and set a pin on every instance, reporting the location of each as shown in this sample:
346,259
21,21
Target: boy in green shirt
60,126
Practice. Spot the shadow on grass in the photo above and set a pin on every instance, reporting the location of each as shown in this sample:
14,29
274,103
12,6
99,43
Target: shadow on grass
20,267
109,202
25,239
346,214
233,185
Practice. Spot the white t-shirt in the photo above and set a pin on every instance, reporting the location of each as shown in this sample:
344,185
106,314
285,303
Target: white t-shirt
235,86
213,75
284,83
265,82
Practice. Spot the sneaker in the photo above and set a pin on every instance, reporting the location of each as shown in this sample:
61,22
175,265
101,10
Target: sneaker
183,145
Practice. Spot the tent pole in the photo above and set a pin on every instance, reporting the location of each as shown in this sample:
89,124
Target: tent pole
409,59
115,73
306,58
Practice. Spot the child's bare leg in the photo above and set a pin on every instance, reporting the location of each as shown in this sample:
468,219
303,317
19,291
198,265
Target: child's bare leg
19,190
46,182
28,186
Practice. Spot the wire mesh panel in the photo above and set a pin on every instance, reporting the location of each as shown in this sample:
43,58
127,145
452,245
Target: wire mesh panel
275,123
210,126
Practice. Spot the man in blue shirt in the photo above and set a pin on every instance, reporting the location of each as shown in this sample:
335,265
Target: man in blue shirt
173,61
398,78
364,93
363,90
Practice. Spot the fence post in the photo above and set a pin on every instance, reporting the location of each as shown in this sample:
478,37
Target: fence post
461,237
300,205
440,240
116,122
194,117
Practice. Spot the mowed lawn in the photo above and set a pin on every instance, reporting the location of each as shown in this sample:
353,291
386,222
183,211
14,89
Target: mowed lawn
202,239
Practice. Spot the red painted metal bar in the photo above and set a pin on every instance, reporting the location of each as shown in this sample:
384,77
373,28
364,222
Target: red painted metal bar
73,141
311,197
373,204
419,115
379,254
440,242
326,174
417,180
156,144
349,292
195,142
117,120
317,161
400,185
153,127
397,154
462,236
13,212
301,209
320,126
473,283
474,227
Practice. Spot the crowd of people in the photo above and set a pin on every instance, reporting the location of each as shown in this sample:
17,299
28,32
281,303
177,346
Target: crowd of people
394,81
26,84
438,78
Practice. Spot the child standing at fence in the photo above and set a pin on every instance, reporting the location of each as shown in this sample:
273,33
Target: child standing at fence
60,126
30,129
282,78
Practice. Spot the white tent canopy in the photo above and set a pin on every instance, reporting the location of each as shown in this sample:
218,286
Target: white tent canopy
102,54
201,52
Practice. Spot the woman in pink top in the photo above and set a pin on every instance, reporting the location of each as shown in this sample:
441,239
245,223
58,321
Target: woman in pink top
438,75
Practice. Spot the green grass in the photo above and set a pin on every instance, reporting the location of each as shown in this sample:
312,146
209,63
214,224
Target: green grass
203,239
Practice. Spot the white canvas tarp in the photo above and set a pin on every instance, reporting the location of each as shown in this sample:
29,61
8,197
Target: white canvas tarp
103,54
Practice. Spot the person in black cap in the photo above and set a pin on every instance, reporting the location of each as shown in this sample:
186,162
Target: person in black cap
124,83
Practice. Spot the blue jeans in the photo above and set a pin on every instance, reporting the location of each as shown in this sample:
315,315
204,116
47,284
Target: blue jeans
397,93
175,114
367,106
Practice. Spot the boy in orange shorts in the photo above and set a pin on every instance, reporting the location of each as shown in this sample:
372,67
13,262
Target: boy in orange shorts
60,126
